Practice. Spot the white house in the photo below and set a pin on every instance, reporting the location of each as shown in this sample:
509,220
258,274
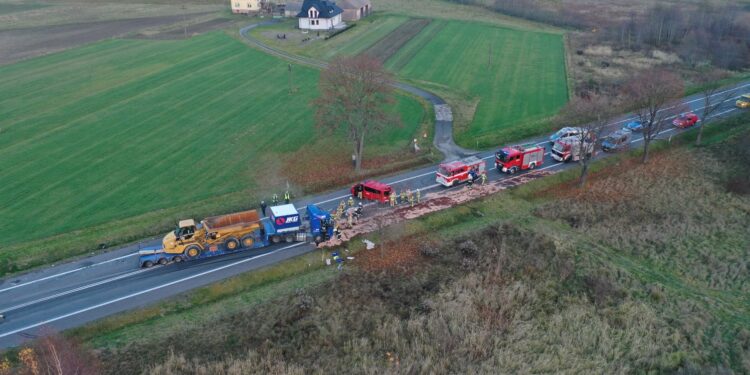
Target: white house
319,15
245,6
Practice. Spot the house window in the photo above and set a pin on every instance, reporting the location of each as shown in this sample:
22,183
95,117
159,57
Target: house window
313,13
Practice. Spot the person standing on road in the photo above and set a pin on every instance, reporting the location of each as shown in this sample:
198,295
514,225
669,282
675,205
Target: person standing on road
484,178
287,197
419,195
403,197
354,160
351,202
392,198
410,197
275,199
263,208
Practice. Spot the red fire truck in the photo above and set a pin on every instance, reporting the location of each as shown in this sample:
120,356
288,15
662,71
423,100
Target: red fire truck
456,172
373,190
515,158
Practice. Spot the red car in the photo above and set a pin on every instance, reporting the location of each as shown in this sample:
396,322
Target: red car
373,191
685,120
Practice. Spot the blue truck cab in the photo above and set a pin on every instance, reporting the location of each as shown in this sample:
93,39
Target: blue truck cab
321,224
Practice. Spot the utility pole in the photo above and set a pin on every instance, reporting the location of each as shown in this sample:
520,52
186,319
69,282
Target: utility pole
489,56
184,20
290,78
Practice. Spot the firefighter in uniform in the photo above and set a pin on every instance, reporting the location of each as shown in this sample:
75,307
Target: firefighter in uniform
350,217
403,197
287,196
484,178
392,198
351,202
340,212
410,197
275,199
419,195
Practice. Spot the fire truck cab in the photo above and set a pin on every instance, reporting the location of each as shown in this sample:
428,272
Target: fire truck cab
572,149
373,190
515,158
456,172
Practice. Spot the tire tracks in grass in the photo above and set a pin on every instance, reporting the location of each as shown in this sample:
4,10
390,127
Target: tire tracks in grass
128,90
404,55
392,42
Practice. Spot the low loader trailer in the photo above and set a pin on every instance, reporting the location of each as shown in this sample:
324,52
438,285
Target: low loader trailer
225,234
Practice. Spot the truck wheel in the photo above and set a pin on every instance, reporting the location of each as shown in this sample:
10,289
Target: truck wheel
231,244
162,261
247,241
275,239
148,264
318,239
177,259
512,170
532,165
193,251
289,238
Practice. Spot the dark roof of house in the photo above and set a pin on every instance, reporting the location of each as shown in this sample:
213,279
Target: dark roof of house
327,9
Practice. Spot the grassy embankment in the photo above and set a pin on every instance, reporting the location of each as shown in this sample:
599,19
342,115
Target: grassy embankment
115,141
645,270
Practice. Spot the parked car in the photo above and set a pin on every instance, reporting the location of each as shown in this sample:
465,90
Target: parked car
617,141
685,120
564,133
634,126
743,101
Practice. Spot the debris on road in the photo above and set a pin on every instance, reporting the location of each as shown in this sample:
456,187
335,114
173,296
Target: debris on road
431,202
369,245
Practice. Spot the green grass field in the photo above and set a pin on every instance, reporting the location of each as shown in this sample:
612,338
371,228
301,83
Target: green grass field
124,128
367,32
524,84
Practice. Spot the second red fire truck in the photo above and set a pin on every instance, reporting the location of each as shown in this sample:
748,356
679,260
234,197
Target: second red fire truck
456,172
516,158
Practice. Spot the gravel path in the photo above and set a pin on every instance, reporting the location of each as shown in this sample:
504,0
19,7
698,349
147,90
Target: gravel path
443,140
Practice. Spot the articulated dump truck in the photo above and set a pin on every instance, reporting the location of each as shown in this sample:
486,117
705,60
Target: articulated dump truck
245,230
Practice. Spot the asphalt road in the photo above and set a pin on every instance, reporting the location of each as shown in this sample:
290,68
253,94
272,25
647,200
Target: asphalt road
72,294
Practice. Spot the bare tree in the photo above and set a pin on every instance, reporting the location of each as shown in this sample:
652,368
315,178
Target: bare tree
593,114
654,94
712,98
356,95
54,354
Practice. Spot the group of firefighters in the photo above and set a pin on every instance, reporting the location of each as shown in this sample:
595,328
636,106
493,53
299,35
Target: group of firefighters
406,196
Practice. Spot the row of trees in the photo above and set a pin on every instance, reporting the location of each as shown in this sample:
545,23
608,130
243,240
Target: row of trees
655,95
715,32
704,32
356,94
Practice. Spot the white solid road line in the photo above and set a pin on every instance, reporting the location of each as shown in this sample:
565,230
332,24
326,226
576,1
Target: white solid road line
66,272
394,182
51,320
80,288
